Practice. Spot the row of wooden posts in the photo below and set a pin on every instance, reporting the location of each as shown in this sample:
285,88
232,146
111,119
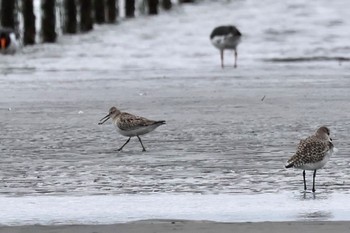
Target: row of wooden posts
89,12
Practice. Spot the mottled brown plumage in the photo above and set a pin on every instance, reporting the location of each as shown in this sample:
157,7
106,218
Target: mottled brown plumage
130,125
312,153
310,150
128,121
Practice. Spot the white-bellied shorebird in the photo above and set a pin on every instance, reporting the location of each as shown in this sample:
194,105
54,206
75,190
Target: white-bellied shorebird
226,37
313,153
8,41
130,125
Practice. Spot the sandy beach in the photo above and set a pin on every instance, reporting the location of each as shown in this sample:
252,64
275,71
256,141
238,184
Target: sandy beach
165,226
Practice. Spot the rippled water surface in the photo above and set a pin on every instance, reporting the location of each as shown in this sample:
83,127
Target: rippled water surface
228,131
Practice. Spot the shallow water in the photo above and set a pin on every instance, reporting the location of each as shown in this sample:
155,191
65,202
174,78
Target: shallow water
228,131
105,209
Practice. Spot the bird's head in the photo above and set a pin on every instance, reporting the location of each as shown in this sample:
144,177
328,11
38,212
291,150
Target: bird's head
323,133
113,112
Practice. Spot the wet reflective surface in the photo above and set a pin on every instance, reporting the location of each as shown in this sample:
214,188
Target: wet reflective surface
107,209
219,138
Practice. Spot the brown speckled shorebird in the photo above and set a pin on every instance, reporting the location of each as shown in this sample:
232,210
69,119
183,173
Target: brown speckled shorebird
130,125
313,153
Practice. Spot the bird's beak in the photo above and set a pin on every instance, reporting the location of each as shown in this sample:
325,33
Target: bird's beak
3,43
103,120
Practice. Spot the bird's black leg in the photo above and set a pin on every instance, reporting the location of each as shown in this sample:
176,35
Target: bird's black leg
313,184
222,57
143,148
304,180
235,65
124,144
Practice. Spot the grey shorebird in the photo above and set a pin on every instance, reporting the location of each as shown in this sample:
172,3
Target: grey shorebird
130,125
226,37
313,153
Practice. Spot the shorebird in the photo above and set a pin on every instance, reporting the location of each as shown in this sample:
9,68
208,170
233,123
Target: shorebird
130,125
313,153
226,37
8,41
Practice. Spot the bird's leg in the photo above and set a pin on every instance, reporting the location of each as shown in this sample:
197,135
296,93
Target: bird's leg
124,144
143,148
313,184
222,57
235,65
304,180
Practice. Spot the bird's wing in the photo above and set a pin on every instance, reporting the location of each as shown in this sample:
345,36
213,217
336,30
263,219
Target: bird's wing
129,121
310,150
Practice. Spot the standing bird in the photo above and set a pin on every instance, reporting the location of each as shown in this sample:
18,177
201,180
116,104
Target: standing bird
8,41
130,125
226,37
313,153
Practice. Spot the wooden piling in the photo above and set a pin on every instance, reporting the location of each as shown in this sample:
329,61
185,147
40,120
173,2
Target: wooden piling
129,8
70,18
166,4
29,22
99,9
112,9
8,13
86,21
48,20
153,7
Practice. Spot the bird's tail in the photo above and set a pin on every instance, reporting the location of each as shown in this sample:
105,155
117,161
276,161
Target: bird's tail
290,162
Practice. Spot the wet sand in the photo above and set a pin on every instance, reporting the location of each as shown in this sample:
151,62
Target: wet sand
228,130
164,226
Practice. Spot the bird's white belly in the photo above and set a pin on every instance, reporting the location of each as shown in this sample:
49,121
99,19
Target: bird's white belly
136,132
225,42
320,164
13,47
